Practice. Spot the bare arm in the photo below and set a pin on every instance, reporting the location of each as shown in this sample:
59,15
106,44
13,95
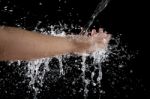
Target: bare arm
19,44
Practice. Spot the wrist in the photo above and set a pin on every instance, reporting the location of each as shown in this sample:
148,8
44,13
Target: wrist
81,44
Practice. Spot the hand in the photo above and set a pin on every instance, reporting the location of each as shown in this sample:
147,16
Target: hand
99,40
88,44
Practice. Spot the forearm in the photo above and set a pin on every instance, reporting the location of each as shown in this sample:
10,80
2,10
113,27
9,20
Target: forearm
24,45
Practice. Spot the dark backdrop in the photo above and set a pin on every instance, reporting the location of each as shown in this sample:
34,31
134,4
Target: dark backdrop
127,17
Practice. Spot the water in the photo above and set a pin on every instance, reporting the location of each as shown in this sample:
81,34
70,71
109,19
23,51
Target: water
73,75
37,69
70,75
100,7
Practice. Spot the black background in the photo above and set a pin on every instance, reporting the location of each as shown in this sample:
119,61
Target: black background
127,17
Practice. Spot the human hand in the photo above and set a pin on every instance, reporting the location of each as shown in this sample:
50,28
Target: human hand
88,44
98,40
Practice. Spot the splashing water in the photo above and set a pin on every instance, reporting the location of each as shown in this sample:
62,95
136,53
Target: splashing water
70,70
100,7
34,73
37,69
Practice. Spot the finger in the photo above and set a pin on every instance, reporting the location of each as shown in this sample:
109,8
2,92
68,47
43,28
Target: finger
101,30
102,35
93,32
108,37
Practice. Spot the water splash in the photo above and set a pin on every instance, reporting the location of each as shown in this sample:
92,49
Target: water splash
100,7
37,69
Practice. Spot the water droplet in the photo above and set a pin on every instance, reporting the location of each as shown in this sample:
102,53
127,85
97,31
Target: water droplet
40,3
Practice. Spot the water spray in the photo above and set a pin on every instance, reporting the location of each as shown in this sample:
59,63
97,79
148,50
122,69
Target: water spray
100,7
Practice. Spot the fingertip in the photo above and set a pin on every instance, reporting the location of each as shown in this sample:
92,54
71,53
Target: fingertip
93,32
100,30
108,37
